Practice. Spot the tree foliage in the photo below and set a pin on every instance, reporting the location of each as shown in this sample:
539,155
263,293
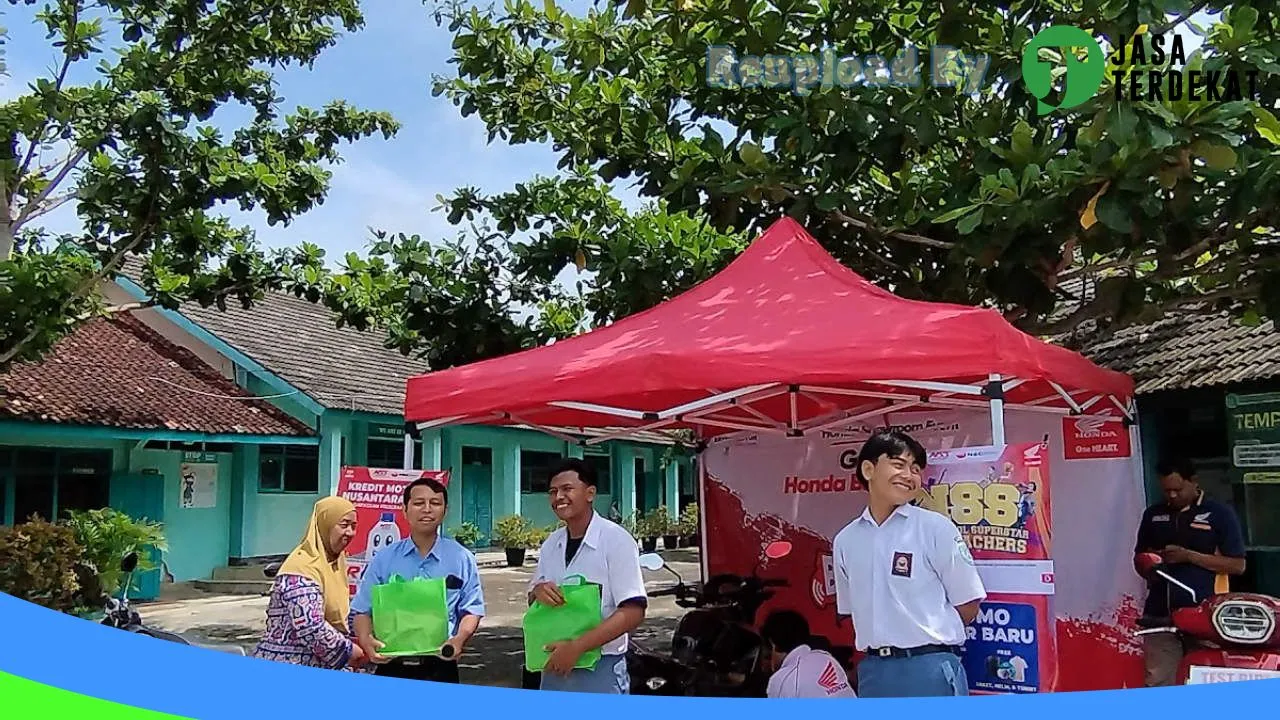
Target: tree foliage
936,192
138,155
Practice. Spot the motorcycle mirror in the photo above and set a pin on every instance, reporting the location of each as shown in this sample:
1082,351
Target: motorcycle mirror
129,563
652,561
777,550
271,570
453,582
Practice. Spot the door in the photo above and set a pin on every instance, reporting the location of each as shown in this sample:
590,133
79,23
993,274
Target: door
141,495
642,487
477,491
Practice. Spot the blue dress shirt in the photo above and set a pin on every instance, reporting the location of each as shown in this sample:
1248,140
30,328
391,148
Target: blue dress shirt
447,557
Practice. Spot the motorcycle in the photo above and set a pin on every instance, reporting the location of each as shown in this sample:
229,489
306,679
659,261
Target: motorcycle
1233,635
121,615
715,649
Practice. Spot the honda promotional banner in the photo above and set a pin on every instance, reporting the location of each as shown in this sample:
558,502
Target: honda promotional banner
999,497
1063,605
378,494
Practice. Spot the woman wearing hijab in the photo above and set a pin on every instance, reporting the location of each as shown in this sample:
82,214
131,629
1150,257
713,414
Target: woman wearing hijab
307,614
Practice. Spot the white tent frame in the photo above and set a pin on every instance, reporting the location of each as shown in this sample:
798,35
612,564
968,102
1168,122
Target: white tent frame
897,397
708,412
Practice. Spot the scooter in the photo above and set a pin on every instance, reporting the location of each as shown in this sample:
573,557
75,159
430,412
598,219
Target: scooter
715,649
1233,635
121,615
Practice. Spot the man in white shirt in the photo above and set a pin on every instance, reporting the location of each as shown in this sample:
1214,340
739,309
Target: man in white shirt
799,670
906,578
601,552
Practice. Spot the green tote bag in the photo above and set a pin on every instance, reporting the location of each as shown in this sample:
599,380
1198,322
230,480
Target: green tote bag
410,617
544,624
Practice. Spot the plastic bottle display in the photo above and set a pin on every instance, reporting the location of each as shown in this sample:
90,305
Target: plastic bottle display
385,532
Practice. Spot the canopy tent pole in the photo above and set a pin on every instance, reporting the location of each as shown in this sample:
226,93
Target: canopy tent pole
995,391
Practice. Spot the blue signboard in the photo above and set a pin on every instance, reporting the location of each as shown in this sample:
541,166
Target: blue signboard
1002,654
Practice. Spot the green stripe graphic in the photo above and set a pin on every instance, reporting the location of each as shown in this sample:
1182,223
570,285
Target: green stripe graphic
31,699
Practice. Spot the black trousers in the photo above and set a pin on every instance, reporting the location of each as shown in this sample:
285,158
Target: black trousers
433,669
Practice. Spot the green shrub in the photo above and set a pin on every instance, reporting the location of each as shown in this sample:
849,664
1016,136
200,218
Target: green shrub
655,523
513,531
537,536
107,535
689,520
38,563
467,533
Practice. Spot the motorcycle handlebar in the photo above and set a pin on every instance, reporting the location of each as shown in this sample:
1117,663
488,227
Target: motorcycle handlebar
676,590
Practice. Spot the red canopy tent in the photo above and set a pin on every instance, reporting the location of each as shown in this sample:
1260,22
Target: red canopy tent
785,339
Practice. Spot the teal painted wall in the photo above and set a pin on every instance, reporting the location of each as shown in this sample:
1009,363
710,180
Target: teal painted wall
246,523
505,445
537,508
199,538
272,522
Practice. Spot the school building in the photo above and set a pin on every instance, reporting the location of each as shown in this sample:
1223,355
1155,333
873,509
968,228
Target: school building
228,426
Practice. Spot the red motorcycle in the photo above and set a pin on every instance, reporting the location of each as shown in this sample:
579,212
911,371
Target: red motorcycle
1231,636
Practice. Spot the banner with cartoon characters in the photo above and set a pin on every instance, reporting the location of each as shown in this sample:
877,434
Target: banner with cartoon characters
999,498
378,494
1064,596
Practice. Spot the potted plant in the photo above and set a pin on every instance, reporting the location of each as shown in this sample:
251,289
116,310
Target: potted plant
670,528
467,534
689,525
513,533
645,533
653,525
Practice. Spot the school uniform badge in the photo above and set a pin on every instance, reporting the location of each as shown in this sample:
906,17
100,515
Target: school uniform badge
902,564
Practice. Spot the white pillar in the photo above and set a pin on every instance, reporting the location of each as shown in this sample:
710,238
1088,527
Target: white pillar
997,409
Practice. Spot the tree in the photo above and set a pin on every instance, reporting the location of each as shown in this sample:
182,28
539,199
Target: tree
488,292
137,155
959,193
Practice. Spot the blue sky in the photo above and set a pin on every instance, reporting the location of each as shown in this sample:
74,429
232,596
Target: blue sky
388,184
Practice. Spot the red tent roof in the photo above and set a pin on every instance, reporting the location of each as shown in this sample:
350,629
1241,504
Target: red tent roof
784,312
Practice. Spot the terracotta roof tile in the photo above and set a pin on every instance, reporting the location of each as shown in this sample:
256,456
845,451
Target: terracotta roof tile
120,373
339,368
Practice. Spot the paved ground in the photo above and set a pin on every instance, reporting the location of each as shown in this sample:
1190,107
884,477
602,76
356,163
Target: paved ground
495,654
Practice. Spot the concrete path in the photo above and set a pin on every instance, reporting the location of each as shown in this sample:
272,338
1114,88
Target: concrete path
494,656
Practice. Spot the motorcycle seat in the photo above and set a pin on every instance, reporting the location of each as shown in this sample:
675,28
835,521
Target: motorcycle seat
1146,622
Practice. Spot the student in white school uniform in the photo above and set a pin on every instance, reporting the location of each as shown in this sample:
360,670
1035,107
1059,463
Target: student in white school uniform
906,578
601,552
800,671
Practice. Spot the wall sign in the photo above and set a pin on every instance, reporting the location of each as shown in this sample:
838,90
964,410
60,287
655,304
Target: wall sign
1093,438
198,485
1201,675
390,432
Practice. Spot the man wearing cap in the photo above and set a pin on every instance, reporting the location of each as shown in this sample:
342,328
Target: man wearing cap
801,671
